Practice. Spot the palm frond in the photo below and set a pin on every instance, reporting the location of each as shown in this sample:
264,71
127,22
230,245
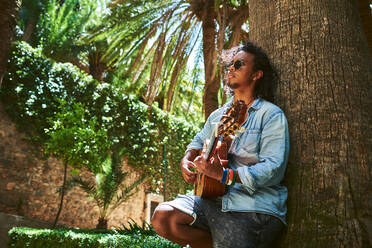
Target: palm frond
126,192
88,187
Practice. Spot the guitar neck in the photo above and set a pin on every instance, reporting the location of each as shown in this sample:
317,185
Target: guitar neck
212,144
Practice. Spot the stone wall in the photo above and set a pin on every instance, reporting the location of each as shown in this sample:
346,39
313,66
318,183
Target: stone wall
28,186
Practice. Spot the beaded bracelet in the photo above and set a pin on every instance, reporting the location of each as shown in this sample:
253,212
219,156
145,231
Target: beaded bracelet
224,176
234,178
230,178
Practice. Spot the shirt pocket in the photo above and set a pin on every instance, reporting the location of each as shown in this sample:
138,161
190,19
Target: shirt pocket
248,147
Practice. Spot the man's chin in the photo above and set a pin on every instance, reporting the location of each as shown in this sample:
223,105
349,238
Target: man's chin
233,85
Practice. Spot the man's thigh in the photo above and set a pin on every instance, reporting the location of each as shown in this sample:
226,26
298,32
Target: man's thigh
237,229
230,229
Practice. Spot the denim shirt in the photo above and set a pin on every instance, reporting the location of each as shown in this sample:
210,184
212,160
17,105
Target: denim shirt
259,153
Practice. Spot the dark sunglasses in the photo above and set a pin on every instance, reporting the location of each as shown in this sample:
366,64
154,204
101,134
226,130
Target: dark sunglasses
237,64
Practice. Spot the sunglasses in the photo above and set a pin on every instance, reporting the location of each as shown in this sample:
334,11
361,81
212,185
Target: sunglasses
237,64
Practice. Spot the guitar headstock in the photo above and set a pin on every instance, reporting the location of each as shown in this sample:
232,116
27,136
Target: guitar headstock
233,119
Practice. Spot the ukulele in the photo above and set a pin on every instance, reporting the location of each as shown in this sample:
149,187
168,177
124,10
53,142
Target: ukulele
208,187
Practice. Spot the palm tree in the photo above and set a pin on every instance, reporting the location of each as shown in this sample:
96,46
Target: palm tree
59,30
8,19
159,37
108,189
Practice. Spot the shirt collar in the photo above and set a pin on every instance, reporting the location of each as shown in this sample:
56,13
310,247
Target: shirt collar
257,103
255,106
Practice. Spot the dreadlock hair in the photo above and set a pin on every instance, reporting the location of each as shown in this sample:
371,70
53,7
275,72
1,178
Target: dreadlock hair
265,86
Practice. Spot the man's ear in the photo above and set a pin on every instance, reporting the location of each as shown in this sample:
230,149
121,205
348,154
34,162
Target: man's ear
257,75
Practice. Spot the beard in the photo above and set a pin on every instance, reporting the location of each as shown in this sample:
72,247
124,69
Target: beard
233,85
237,85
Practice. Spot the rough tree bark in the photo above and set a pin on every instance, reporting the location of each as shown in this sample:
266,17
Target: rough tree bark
8,18
156,68
366,17
96,66
210,97
325,88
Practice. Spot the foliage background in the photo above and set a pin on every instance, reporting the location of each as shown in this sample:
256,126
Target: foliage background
37,92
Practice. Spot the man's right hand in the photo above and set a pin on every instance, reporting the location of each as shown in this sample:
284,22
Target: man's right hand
187,167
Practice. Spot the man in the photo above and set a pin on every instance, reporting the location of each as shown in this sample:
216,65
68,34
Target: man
252,211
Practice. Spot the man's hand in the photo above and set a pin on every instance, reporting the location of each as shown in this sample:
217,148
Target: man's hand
214,170
186,167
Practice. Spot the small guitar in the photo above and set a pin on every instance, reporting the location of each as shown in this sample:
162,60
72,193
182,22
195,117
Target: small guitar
234,117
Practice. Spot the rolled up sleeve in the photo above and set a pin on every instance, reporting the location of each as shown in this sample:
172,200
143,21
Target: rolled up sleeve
198,140
273,156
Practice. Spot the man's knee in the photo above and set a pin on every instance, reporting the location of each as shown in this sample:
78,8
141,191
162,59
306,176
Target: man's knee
166,219
160,218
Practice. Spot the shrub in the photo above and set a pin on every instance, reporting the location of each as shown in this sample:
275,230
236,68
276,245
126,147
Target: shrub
74,238
36,90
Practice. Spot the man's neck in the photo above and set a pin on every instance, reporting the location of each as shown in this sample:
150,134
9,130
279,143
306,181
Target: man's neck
244,95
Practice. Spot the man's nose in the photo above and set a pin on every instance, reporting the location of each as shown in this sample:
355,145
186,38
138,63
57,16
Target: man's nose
231,67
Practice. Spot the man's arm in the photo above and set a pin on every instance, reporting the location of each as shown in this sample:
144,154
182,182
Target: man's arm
273,156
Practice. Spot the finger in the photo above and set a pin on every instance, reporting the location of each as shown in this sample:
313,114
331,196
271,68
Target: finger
192,165
197,159
198,162
190,173
189,168
188,165
224,162
190,178
217,161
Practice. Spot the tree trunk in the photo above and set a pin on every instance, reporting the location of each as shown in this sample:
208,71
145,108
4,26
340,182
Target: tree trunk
102,223
30,27
173,82
8,19
210,98
325,73
96,66
156,67
366,17
62,194
238,17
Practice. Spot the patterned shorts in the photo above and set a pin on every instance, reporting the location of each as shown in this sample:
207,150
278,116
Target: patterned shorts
230,229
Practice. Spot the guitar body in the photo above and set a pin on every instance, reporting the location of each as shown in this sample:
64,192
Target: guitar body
205,186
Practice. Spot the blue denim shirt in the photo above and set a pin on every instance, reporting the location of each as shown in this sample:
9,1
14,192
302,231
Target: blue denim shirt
259,153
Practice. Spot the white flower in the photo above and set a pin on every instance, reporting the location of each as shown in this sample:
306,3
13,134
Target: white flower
18,89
